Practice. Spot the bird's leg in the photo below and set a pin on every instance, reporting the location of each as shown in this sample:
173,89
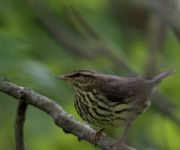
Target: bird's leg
97,135
125,133
123,138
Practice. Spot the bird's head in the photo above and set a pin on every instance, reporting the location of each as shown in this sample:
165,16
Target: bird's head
80,77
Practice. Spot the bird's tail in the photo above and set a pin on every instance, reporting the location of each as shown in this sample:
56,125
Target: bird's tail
157,79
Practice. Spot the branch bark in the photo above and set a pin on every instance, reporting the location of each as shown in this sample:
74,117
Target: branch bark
19,125
60,117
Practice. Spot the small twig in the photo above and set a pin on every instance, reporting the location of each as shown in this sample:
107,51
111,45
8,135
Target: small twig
19,124
60,117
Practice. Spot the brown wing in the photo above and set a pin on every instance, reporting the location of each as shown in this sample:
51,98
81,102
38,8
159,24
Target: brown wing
121,90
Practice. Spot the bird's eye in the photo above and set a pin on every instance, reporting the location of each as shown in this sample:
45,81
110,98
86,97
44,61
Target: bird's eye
77,74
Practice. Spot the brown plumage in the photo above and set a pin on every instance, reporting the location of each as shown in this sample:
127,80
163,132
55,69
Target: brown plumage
111,101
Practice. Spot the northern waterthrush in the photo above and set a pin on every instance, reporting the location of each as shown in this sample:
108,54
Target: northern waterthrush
111,101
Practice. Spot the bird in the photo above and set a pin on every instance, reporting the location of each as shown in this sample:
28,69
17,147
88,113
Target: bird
111,101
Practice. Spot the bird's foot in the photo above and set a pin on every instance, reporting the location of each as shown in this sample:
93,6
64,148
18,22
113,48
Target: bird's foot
97,136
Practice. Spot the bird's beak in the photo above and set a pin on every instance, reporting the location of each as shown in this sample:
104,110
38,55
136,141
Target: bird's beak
63,77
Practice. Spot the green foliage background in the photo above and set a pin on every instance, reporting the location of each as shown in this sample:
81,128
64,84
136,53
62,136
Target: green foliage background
30,57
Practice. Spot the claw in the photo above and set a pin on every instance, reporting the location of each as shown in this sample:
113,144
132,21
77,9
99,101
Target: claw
97,136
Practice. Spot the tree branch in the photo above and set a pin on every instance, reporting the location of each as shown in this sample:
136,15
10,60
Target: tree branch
60,117
19,124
